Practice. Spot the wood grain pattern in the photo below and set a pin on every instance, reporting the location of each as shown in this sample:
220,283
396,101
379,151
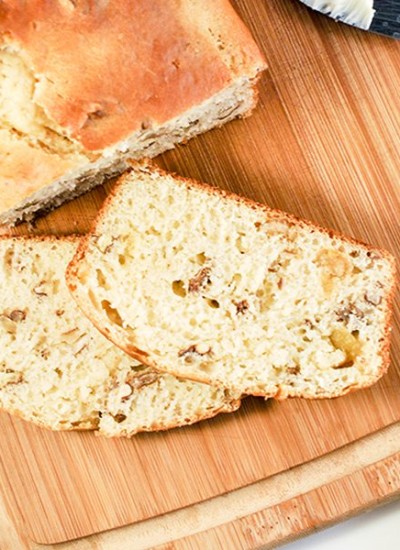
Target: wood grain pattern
358,476
322,145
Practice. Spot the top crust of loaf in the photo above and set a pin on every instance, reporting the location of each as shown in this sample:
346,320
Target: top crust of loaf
85,85
79,279
101,66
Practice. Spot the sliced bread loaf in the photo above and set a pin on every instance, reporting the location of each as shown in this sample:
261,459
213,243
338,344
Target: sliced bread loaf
58,371
86,85
207,285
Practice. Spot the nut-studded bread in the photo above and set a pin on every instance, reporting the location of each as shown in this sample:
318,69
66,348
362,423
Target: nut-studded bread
207,285
59,372
86,85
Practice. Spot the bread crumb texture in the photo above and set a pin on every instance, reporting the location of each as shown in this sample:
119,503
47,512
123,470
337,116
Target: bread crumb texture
59,372
223,290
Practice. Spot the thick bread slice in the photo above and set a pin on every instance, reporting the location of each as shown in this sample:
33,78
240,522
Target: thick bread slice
59,372
86,85
210,286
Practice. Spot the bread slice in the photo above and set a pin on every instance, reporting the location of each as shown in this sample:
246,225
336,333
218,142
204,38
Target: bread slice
59,372
210,286
84,86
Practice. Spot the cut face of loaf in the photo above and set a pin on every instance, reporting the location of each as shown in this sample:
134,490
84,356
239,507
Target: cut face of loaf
59,372
84,87
210,286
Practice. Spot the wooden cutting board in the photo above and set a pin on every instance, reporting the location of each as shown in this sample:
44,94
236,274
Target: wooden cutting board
323,144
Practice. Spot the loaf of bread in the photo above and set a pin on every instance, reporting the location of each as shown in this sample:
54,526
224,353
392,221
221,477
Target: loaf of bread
86,85
59,372
206,285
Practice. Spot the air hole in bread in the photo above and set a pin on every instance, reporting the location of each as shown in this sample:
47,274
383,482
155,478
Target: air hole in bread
92,298
201,258
153,231
112,313
178,288
8,258
205,367
347,342
100,278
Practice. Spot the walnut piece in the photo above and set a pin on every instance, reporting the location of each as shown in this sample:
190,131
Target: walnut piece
293,370
120,418
195,349
125,392
372,298
200,280
343,315
242,306
347,363
40,289
14,378
139,380
45,353
17,315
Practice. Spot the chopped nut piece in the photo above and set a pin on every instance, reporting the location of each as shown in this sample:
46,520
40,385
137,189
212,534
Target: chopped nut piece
242,306
14,379
120,418
197,349
17,315
274,267
126,391
343,315
228,112
373,299
80,350
40,290
293,370
200,280
345,365
146,124
60,312
144,379
373,255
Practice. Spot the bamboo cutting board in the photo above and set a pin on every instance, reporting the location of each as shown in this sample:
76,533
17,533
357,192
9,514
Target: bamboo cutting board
323,144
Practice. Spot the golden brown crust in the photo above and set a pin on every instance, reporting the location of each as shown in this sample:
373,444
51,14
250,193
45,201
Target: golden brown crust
228,407
136,352
83,426
138,62
102,72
